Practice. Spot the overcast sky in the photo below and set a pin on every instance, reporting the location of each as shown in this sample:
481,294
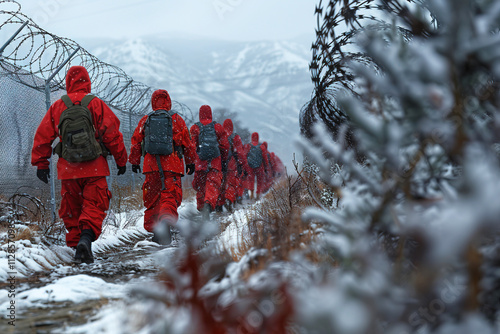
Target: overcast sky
221,19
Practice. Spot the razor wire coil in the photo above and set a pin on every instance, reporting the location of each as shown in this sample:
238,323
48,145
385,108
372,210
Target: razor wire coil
339,22
37,53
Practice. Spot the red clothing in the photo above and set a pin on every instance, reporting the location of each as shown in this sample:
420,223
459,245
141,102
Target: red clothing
206,118
84,190
105,121
208,174
268,172
207,186
278,168
161,204
258,172
232,180
240,164
84,204
171,163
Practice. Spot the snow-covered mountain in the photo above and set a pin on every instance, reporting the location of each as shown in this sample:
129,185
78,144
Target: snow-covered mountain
265,83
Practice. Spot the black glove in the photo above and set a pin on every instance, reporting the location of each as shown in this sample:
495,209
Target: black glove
189,169
121,170
43,175
136,168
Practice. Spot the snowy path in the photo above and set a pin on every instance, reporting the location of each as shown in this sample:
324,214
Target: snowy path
52,293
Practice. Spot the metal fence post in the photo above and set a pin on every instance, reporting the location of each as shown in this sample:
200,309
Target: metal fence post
130,124
2,49
121,91
48,103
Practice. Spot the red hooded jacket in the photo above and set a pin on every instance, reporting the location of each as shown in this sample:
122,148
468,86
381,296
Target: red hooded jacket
237,145
228,131
171,163
238,148
105,121
268,165
206,118
255,142
278,166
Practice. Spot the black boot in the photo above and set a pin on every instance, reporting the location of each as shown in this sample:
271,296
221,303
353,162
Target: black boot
219,208
84,247
228,206
162,233
205,212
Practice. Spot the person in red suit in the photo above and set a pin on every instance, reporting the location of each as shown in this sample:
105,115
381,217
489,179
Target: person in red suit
162,189
255,171
84,190
242,167
232,184
208,136
268,168
278,167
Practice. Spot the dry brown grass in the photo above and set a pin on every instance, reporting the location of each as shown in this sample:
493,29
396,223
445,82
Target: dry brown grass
33,213
27,233
125,199
275,223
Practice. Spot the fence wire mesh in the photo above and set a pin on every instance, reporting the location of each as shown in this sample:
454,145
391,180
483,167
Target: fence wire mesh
33,64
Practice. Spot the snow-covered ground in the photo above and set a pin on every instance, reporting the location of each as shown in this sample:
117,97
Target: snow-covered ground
125,260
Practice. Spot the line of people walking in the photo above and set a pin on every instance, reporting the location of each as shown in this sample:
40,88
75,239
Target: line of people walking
225,170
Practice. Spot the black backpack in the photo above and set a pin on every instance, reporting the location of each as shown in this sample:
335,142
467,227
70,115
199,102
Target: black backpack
208,145
158,133
254,156
77,131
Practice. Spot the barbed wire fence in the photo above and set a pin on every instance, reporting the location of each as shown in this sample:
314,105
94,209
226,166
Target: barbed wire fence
33,65
339,23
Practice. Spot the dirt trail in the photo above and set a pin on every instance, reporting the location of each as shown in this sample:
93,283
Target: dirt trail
116,264
124,259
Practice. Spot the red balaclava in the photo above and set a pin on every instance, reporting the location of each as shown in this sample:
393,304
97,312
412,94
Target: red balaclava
205,114
237,141
161,100
78,80
255,139
228,126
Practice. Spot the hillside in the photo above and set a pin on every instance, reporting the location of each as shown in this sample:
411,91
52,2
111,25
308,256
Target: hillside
265,83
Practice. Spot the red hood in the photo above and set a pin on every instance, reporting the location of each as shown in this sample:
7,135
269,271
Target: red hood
205,114
237,141
228,126
265,144
77,80
161,100
255,138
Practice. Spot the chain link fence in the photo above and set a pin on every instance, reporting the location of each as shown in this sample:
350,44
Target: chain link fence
21,111
33,65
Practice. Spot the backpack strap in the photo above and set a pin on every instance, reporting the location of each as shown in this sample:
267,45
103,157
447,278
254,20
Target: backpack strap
87,99
67,101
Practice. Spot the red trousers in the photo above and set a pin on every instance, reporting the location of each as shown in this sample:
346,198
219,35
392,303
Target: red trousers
233,182
161,204
222,191
83,206
207,186
260,174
